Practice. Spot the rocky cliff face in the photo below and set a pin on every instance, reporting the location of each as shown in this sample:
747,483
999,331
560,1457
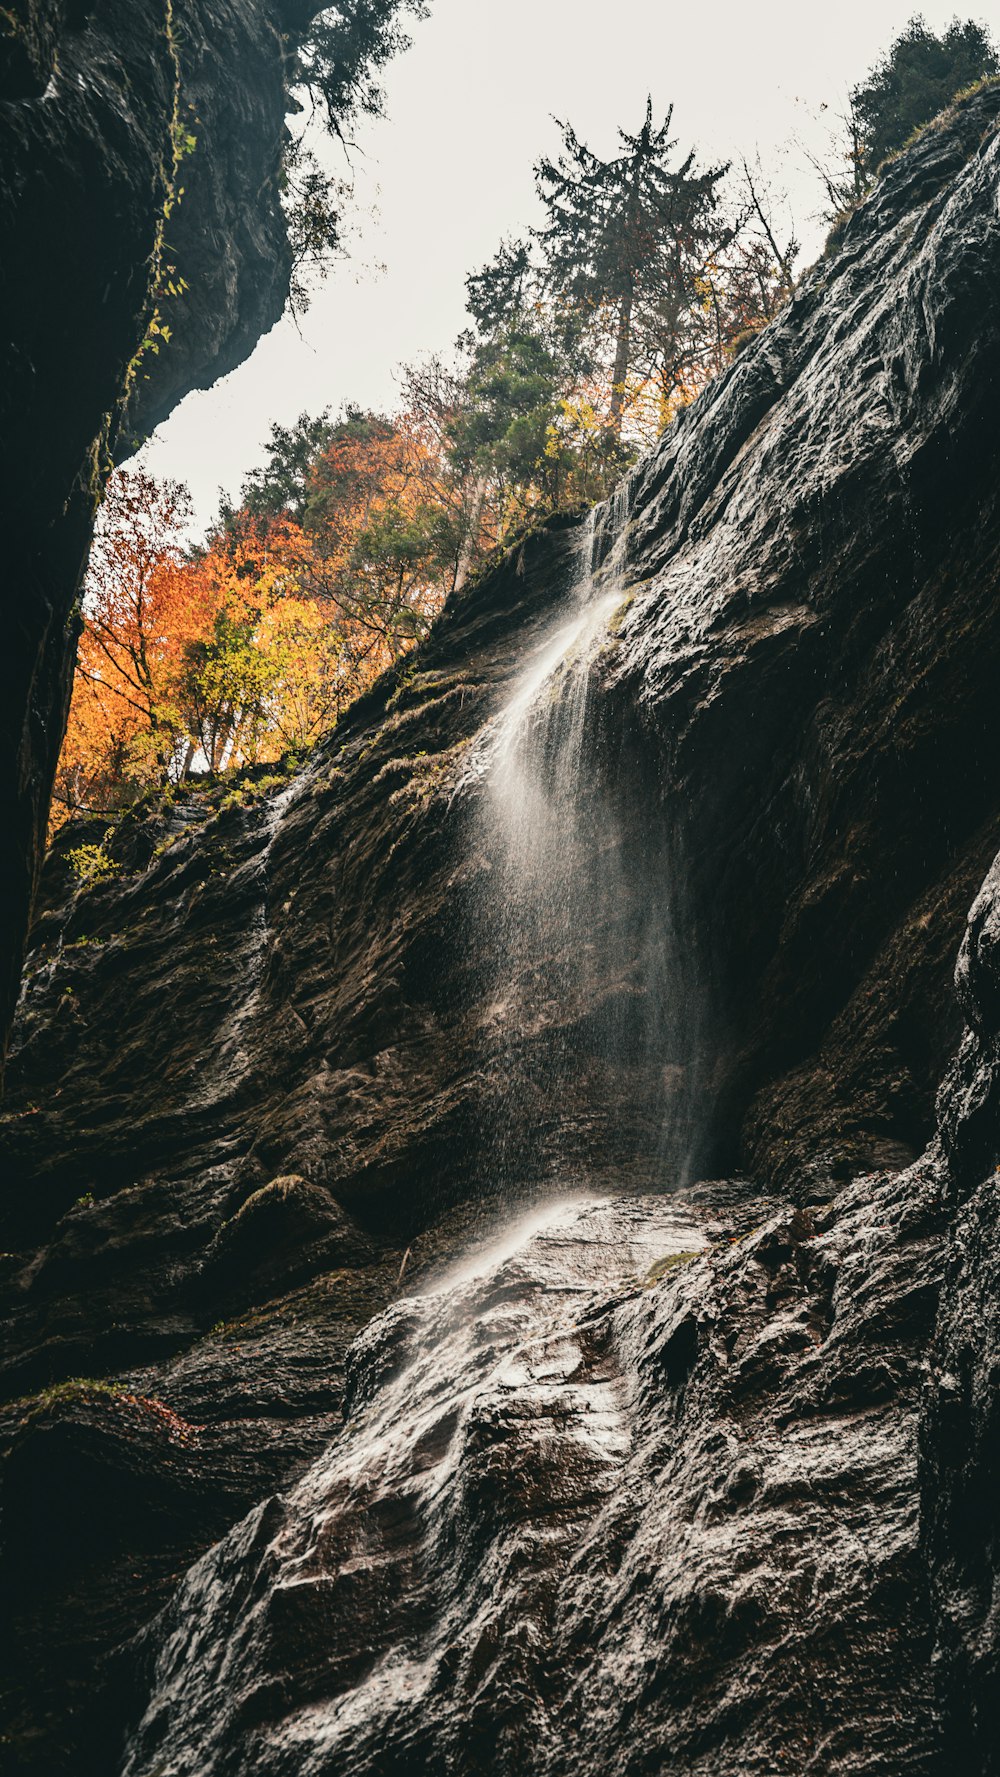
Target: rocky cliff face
692,1485
99,103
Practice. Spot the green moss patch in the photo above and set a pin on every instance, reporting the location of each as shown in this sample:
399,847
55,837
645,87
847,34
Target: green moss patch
663,1267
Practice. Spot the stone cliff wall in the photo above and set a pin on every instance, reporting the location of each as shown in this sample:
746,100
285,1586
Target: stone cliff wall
811,651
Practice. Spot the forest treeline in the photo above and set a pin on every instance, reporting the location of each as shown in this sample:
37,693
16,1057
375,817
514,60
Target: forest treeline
647,274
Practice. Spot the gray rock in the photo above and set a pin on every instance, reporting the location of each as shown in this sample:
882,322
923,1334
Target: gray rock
91,93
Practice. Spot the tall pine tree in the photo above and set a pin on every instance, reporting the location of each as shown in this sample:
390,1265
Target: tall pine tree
631,238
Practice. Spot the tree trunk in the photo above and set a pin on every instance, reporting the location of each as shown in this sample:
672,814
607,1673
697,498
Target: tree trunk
622,349
467,550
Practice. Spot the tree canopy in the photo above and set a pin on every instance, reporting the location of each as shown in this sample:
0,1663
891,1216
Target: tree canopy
345,541
630,239
236,652
342,52
646,275
916,78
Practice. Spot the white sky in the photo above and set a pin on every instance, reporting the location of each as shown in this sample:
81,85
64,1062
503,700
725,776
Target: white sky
470,109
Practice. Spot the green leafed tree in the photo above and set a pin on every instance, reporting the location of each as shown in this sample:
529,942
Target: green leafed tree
282,482
337,71
629,240
224,692
344,51
501,292
511,398
916,78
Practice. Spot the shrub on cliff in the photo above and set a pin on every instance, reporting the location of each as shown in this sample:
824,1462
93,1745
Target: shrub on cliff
916,78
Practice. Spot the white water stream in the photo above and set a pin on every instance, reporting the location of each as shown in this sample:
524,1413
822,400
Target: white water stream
591,1024
490,1442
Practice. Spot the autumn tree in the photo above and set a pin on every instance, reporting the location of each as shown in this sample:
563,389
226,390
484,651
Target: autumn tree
375,541
140,613
224,675
254,643
307,611
313,672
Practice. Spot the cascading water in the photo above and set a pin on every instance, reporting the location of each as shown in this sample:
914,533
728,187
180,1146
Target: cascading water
412,1607
403,1585
589,1000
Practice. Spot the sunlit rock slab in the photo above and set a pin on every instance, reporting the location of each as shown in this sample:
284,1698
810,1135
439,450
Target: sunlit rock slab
634,1491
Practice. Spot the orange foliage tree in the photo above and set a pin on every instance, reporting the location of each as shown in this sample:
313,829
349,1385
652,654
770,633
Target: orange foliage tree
373,531
250,647
140,614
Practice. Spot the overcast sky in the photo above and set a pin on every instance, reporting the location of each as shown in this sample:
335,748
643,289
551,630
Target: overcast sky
470,108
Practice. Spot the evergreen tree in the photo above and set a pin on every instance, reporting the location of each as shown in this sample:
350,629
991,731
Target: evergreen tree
917,77
345,48
511,401
499,294
342,51
282,483
630,238
522,435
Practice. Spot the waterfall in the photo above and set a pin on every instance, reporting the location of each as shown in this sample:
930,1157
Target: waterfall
428,1566
589,1000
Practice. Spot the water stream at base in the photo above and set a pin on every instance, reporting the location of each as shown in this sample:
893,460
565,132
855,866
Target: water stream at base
415,1574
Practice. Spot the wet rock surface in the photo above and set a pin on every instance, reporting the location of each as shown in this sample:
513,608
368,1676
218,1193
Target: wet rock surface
739,1515
960,1457
816,550
640,1496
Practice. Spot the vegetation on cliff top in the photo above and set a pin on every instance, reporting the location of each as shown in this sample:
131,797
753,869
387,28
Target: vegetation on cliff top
916,78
